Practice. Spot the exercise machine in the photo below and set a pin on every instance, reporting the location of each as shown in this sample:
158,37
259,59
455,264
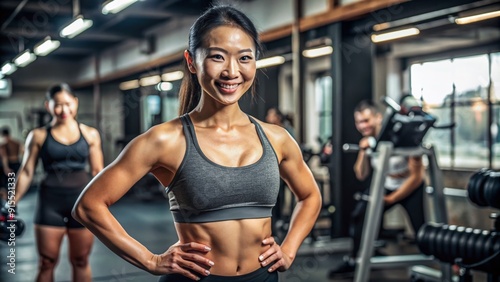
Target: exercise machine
403,129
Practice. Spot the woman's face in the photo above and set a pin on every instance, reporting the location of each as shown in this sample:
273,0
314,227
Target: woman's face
225,65
63,106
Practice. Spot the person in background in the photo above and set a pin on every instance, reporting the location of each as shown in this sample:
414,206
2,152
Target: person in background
221,167
66,147
275,116
404,182
11,152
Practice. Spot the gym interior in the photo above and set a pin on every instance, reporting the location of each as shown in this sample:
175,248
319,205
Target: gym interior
321,58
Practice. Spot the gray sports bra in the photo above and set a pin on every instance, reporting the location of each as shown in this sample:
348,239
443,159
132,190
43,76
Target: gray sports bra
203,191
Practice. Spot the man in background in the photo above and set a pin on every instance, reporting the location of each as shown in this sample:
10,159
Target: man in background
404,182
11,152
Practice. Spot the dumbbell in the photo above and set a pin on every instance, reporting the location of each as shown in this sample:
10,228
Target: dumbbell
484,188
449,243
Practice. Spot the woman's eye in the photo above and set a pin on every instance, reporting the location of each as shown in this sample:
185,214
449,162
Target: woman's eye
246,58
217,57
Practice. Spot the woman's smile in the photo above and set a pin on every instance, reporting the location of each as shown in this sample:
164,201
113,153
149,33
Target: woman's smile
226,88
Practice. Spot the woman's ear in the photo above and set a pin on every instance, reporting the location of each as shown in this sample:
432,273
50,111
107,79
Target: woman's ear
46,104
189,61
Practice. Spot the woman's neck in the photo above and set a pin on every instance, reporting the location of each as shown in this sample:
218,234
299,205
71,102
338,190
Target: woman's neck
64,123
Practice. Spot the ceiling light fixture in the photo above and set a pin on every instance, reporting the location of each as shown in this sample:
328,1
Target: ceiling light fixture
46,46
131,84
172,76
8,68
271,61
77,26
391,35
150,80
477,18
115,6
317,52
24,59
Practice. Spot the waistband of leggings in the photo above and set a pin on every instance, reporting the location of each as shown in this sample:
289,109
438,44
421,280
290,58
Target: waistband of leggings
256,275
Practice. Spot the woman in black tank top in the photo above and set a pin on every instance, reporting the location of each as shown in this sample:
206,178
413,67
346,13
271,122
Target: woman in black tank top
222,169
66,148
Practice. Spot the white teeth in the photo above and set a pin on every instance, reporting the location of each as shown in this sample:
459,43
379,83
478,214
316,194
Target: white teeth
228,86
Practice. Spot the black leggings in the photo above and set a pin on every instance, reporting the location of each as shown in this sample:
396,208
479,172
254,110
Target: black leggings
413,204
259,275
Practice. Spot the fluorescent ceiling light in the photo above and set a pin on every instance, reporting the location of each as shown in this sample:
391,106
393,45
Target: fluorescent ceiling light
150,80
46,46
317,52
131,84
394,34
115,6
8,68
172,76
77,26
477,18
381,26
24,59
164,86
271,61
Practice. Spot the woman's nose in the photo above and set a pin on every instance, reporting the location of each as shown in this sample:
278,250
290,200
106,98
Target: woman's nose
231,70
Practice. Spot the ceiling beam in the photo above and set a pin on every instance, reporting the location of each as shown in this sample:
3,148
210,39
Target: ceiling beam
148,13
38,6
16,32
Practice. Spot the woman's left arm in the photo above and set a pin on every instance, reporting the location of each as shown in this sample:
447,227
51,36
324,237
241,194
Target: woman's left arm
95,158
415,178
301,182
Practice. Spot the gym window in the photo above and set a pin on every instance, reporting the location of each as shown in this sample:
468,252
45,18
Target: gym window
324,101
464,91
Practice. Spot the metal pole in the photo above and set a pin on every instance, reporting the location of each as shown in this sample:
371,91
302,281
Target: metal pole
297,76
76,8
436,179
373,213
438,202
97,92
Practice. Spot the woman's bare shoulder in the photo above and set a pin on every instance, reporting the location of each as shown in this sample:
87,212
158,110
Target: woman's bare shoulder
37,135
274,132
165,138
89,132
165,132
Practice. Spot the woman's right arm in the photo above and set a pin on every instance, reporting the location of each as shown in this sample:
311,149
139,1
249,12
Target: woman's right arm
28,165
139,157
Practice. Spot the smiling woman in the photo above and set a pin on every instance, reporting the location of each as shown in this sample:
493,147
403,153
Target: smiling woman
222,170
65,146
227,65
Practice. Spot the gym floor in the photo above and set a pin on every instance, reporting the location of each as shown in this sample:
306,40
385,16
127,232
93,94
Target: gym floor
151,224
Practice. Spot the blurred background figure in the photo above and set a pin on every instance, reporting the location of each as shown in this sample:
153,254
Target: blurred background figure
11,152
275,116
66,148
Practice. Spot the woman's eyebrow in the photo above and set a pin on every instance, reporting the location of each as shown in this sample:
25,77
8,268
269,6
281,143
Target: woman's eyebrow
225,51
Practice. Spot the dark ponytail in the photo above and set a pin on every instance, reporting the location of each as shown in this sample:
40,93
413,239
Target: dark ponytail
190,92
224,15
